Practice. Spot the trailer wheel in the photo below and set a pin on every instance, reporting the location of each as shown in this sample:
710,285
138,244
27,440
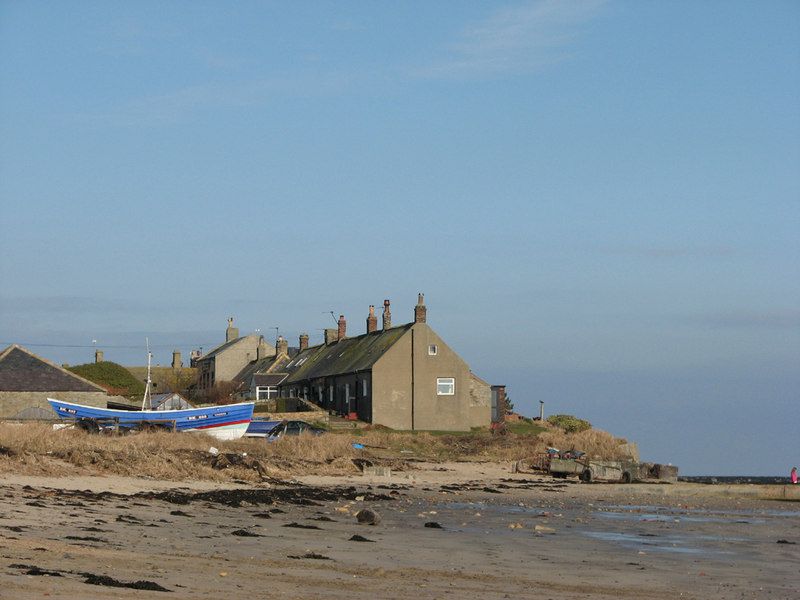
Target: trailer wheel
626,477
586,476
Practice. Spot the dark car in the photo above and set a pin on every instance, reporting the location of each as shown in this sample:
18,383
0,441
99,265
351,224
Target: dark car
274,430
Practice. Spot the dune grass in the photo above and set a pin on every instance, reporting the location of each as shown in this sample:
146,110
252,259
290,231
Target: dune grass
35,449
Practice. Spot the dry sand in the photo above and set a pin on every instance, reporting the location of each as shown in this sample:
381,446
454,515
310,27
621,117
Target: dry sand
500,536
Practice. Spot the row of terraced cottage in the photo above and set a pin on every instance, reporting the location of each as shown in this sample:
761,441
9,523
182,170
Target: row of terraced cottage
402,377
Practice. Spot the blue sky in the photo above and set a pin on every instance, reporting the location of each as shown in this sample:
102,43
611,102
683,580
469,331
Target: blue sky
600,200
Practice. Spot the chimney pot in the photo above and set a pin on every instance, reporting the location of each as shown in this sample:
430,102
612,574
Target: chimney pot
420,310
303,341
281,346
231,333
372,320
387,315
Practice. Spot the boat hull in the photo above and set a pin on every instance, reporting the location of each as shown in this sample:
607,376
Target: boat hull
227,422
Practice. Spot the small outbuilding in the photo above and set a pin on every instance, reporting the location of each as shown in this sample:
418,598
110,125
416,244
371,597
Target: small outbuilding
170,401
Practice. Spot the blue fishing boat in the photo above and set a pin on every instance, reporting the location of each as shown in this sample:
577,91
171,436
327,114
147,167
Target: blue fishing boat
225,422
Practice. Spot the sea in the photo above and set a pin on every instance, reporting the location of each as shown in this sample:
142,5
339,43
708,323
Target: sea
728,479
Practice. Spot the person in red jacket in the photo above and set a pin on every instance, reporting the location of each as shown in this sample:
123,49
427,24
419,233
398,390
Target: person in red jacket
793,475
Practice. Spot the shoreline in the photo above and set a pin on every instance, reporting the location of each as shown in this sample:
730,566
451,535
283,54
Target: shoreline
423,473
444,530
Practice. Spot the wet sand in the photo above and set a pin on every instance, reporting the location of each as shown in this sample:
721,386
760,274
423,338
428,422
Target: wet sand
446,531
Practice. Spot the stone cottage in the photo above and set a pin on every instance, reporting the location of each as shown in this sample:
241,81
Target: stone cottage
403,377
225,361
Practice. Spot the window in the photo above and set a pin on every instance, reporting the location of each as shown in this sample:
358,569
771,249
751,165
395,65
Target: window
266,392
364,388
433,350
445,386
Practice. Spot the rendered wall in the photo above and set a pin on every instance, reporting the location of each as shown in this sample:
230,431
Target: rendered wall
480,403
11,403
432,411
391,386
392,375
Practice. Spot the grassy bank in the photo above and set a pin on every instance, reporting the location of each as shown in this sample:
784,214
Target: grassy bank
35,449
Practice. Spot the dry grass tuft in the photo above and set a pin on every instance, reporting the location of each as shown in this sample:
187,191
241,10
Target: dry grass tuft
35,449
595,442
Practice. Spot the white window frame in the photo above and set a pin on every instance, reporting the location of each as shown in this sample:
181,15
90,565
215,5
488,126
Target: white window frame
450,382
433,349
364,388
271,390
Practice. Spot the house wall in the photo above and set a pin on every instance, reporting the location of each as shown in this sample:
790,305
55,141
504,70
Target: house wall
11,403
480,402
398,404
229,362
432,411
391,386
350,385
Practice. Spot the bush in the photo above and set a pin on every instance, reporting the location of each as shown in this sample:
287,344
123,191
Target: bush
569,423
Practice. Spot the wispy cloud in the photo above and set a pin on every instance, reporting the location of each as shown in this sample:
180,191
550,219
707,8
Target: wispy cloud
519,38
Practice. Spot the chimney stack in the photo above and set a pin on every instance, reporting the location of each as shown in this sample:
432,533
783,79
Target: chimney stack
231,333
261,348
330,336
98,356
372,320
420,310
303,341
176,359
281,346
387,315
342,327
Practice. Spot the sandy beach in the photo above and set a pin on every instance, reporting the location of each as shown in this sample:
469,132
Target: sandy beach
451,530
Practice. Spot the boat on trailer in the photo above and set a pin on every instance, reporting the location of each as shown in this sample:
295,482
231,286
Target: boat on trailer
225,422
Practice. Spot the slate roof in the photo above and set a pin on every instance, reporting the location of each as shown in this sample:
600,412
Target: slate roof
23,371
222,347
345,356
270,364
271,379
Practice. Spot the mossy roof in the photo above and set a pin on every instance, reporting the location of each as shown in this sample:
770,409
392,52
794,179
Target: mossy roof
345,356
